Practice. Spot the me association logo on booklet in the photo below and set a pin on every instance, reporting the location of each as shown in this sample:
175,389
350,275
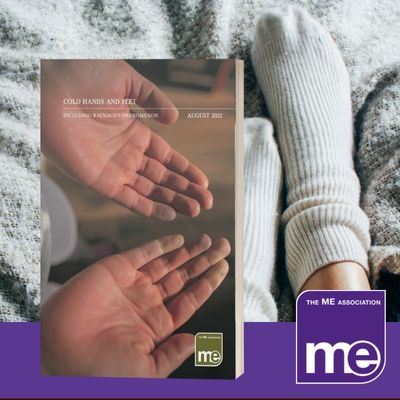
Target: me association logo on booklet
208,349
340,336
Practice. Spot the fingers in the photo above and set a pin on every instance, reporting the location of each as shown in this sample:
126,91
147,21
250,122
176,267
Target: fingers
151,98
133,200
181,203
173,282
149,251
172,353
162,266
158,173
161,151
184,305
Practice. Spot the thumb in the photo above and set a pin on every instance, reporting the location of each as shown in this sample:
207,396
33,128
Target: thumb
151,98
172,353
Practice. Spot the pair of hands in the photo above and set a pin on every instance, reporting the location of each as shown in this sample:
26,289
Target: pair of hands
117,317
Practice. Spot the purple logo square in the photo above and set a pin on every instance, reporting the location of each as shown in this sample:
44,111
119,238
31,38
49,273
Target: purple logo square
340,336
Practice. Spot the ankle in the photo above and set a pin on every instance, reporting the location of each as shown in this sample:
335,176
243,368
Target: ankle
338,276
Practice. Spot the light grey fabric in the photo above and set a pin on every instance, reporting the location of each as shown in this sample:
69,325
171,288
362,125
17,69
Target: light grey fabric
366,33
378,159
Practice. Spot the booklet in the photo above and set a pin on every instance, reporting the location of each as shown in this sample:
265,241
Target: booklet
137,237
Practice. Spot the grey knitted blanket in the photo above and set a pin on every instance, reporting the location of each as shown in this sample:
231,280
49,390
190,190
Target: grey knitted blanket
366,32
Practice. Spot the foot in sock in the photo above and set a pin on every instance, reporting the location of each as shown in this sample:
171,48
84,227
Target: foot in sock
307,91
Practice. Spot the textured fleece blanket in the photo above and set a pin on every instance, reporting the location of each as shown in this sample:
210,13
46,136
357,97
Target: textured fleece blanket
366,31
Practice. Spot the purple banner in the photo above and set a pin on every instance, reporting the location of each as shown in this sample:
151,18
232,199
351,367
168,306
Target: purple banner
270,365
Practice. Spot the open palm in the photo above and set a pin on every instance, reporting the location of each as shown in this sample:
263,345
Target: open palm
117,318
118,157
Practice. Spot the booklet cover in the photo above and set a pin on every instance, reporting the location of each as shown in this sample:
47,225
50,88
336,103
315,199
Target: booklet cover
146,221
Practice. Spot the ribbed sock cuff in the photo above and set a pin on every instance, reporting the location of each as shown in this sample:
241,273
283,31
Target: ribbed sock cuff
323,235
259,305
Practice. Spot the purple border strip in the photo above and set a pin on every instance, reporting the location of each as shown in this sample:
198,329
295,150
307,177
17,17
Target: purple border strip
269,365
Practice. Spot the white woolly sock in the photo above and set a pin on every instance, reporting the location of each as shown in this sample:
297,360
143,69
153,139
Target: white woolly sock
306,87
262,187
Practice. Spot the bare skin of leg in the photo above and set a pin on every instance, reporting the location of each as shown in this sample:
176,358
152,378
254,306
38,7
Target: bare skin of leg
345,275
